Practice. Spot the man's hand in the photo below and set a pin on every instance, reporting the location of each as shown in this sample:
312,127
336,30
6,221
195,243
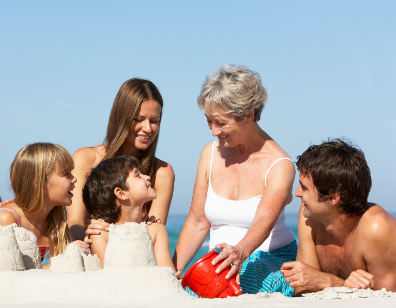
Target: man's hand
360,279
301,275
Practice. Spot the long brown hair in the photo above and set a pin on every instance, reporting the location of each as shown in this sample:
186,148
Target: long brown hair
32,166
131,95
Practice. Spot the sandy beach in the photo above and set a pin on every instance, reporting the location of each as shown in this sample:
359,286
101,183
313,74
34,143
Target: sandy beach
130,277
242,301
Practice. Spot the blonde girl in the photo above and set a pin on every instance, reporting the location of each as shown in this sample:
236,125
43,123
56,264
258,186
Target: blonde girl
132,130
42,183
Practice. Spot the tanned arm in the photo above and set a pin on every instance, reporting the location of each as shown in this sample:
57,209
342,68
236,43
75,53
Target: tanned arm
98,246
84,160
196,226
304,275
164,183
375,239
160,240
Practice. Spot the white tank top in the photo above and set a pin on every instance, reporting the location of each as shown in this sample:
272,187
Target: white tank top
230,220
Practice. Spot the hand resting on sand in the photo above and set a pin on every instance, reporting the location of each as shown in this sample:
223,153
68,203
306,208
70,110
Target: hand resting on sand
360,279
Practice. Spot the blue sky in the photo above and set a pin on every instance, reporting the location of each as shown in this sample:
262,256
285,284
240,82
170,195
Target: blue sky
329,68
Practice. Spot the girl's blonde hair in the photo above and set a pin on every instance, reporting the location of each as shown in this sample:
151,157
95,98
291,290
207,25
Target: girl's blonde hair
32,166
131,95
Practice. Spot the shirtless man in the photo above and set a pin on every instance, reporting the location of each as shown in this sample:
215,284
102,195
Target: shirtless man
344,240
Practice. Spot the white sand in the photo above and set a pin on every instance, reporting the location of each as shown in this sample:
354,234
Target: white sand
348,293
76,281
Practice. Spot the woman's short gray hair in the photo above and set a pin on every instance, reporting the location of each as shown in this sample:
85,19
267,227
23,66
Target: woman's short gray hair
234,90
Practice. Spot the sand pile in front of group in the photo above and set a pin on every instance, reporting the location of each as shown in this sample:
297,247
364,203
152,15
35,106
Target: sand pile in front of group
130,275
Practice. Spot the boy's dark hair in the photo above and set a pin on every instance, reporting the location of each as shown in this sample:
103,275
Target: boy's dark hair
98,191
338,165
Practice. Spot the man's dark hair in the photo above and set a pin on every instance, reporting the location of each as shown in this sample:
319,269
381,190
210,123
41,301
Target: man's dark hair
338,165
98,191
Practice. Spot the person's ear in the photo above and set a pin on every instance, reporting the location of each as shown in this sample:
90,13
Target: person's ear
120,194
45,186
335,198
250,117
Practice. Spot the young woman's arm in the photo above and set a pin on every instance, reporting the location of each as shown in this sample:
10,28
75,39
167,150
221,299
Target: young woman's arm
160,240
164,183
84,161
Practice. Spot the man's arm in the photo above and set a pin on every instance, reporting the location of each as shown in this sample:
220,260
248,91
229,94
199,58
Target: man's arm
375,239
304,275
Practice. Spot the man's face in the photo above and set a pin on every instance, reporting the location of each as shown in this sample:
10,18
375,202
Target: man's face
313,208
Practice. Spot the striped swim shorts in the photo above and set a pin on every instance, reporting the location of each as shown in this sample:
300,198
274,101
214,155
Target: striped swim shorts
261,271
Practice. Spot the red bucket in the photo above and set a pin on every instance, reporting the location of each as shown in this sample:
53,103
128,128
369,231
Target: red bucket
202,279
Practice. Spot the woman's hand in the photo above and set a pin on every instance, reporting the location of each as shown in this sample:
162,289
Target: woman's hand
150,220
232,255
95,227
6,202
84,246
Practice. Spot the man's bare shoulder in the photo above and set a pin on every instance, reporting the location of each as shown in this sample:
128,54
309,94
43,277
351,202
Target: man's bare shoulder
376,224
89,156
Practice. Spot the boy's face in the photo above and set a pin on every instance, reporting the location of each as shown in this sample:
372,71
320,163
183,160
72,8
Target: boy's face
140,190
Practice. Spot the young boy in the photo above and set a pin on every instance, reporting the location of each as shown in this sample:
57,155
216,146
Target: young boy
116,191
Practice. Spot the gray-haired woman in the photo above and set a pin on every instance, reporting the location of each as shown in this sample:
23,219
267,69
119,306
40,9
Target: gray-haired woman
244,180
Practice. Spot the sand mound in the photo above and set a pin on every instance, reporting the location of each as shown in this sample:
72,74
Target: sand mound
18,249
27,242
129,246
73,260
348,293
130,274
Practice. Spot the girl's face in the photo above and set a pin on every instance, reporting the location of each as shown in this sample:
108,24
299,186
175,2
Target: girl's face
145,125
58,188
140,190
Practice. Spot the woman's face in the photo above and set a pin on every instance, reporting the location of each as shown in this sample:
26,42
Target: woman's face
227,129
145,125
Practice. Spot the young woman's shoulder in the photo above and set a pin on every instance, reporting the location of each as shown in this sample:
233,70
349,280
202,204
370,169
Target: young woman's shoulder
164,170
89,156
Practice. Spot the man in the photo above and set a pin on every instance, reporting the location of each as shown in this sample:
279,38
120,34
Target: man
344,241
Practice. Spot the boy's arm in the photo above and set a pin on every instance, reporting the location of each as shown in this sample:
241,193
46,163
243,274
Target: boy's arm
160,240
99,244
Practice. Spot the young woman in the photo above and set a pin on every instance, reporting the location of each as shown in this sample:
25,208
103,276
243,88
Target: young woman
132,130
42,182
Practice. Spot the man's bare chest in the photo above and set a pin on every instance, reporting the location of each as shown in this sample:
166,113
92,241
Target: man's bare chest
339,260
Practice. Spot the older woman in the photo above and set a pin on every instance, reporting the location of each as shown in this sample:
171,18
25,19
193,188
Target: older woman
243,183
